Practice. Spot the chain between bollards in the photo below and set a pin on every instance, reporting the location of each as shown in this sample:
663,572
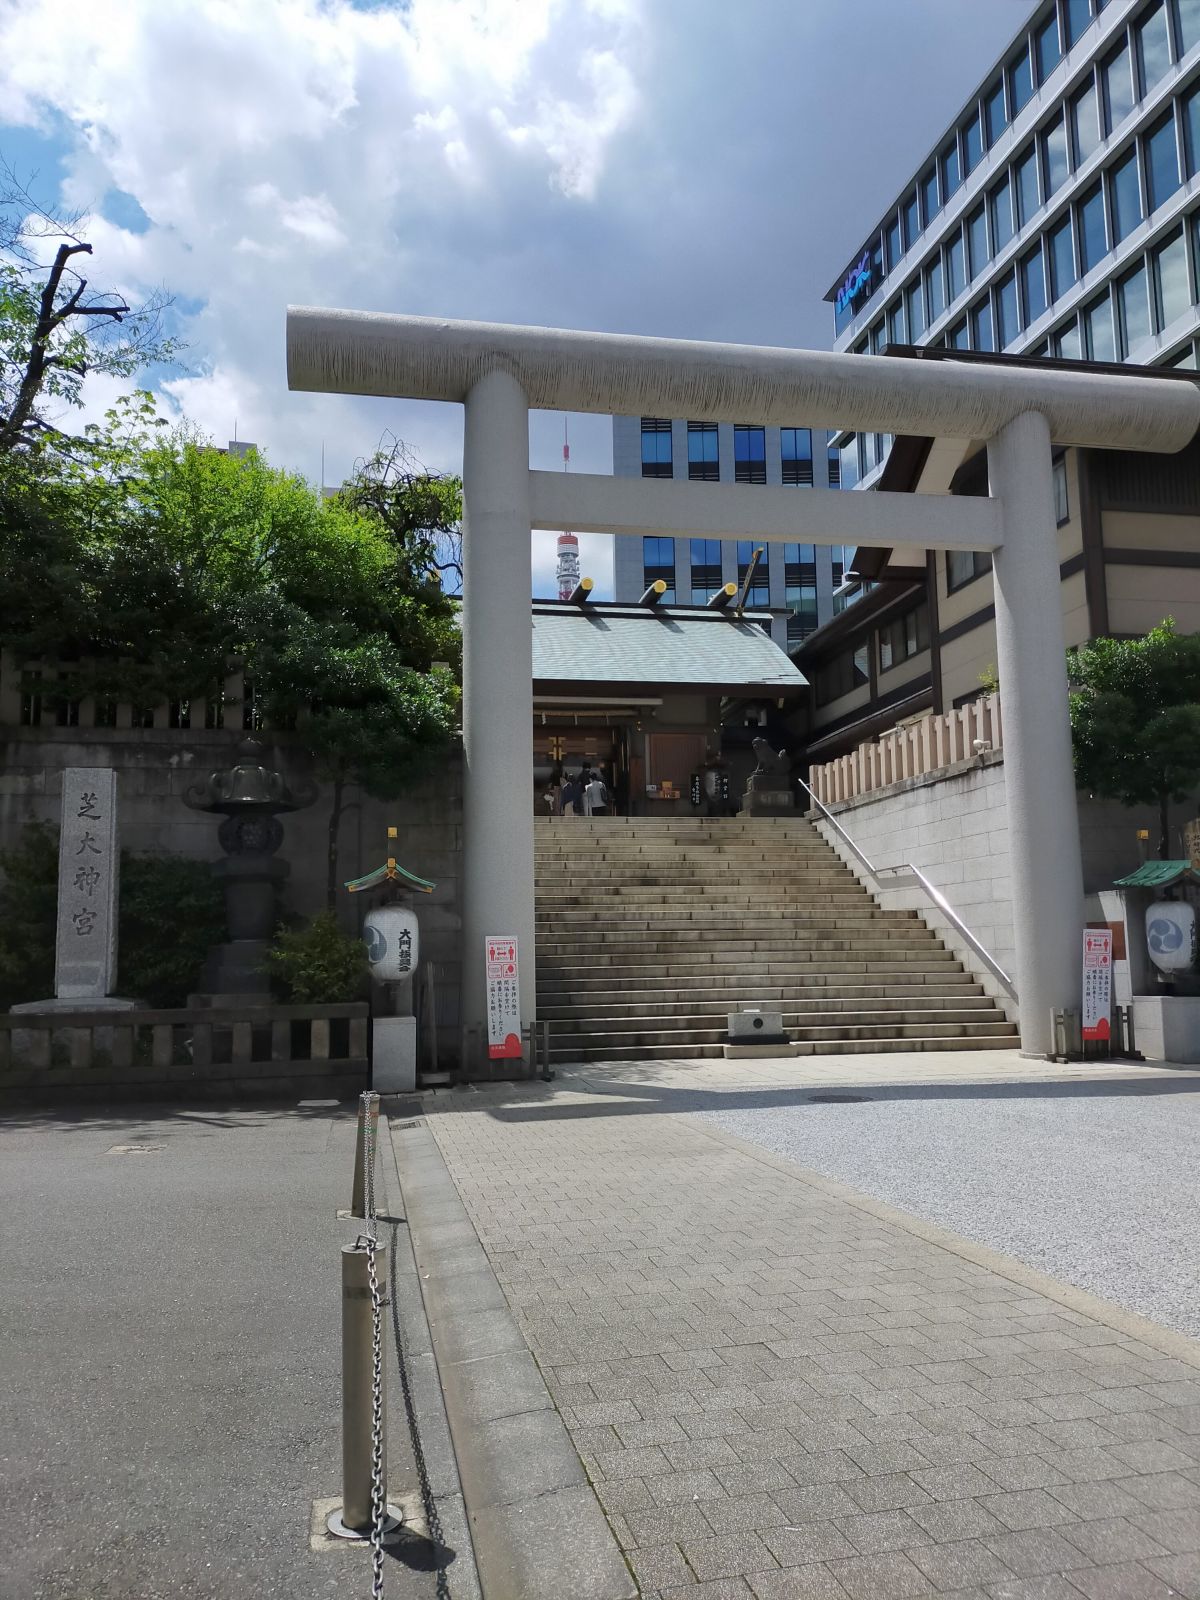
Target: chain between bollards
365,1513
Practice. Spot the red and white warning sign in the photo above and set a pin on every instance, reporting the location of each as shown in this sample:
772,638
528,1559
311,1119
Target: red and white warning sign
1097,982
503,997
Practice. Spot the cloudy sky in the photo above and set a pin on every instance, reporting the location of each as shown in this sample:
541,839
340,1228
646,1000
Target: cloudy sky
681,167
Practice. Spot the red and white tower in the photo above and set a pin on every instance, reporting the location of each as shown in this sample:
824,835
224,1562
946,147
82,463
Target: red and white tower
568,565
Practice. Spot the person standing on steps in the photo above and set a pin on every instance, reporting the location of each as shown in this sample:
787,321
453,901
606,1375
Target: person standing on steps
572,795
596,796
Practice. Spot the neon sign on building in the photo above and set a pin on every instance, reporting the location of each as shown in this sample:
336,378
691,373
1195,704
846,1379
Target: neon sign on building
858,281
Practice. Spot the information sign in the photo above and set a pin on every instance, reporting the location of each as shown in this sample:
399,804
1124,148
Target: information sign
1097,982
503,997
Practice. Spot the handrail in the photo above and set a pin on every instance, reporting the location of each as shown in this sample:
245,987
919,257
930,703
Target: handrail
934,894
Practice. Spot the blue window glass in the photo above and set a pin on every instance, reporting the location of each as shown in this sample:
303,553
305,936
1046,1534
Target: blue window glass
656,447
1188,12
1085,121
1190,106
1000,203
1007,319
795,449
930,203
1054,156
1093,240
951,174
1098,330
1046,47
972,143
1020,79
1153,46
977,241
935,289
749,454
706,575
1133,299
892,247
1125,198
914,305
1025,176
981,326
703,458
1116,74
1076,15
911,214
1033,285
1162,161
1062,258
658,561
995,113
895,323
956,265
834,461
800,563
1171,279
959,338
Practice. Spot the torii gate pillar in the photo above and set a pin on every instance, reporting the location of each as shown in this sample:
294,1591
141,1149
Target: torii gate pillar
497,689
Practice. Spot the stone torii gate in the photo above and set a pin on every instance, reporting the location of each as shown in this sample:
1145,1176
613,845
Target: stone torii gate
499,372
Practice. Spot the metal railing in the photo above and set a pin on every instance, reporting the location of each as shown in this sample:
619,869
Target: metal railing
899,880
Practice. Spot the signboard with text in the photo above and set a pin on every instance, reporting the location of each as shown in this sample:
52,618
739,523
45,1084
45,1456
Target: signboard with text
88,863
1097,982
503,997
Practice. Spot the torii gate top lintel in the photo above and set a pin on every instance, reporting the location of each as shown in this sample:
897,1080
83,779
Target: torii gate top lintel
429,358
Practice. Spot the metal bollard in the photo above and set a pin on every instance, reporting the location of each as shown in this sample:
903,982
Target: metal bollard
353,1521
358,1197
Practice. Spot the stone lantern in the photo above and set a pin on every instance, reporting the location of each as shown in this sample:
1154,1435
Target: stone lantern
251,796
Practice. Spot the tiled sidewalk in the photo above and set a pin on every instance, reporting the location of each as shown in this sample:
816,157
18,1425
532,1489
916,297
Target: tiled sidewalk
782,1390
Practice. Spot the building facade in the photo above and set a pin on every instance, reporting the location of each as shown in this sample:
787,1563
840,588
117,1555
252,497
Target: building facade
1058,216
800,585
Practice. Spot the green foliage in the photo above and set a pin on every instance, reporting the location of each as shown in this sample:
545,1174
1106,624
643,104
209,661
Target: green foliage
1135,718
318,964
28,899
171,911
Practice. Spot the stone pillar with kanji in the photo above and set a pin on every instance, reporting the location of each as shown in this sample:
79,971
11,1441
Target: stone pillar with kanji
89,863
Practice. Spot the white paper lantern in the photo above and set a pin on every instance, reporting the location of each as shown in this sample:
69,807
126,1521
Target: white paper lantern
1171,935
393,943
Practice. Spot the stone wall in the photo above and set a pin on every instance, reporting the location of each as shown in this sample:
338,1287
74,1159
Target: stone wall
953,824
155,766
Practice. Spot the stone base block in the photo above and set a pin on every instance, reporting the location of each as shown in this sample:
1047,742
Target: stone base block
394,1068
749,1052
1167,1026
768,802
102,1038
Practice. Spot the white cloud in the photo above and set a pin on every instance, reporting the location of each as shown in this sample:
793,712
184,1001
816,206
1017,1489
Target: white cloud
309,151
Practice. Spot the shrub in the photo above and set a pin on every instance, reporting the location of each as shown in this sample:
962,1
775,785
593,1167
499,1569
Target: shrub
28,898
319,964
172,909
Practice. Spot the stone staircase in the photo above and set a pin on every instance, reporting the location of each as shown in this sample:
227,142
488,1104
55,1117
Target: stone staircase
650,931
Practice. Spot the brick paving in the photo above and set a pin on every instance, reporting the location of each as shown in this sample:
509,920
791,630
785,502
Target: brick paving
780,1394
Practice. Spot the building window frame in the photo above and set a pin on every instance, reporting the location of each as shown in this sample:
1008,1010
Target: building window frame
749,453
659,462
964,566
704,452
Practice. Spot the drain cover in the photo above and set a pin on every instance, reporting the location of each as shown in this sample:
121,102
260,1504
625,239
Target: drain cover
837,1099
133,1149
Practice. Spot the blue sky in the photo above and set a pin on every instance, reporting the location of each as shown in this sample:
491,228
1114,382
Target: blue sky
682,167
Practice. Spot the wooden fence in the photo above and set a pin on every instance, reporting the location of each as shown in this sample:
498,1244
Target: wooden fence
194,1053
926,745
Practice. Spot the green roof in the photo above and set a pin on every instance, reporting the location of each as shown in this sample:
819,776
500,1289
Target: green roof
660,647
1159,875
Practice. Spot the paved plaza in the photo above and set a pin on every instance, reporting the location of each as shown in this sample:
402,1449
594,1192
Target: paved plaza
782,1387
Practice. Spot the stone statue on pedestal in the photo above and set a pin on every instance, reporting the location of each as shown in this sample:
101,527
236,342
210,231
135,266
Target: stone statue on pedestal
768,788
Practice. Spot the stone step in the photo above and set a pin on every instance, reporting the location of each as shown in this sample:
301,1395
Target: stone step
707,1029
606,919
749,989
593,946
950,1008
828,1047
811,966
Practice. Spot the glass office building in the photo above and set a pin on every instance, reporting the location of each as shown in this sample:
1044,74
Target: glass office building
1058,216
802,583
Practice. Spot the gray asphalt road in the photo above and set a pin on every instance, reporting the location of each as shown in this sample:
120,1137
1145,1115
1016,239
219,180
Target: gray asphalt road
169,1367
1098,1185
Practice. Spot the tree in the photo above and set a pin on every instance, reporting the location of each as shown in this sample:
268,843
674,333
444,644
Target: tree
54,331
1135,719
421,510
144,581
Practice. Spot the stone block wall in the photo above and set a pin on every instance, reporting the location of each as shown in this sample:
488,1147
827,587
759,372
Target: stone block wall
953,824
155,766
